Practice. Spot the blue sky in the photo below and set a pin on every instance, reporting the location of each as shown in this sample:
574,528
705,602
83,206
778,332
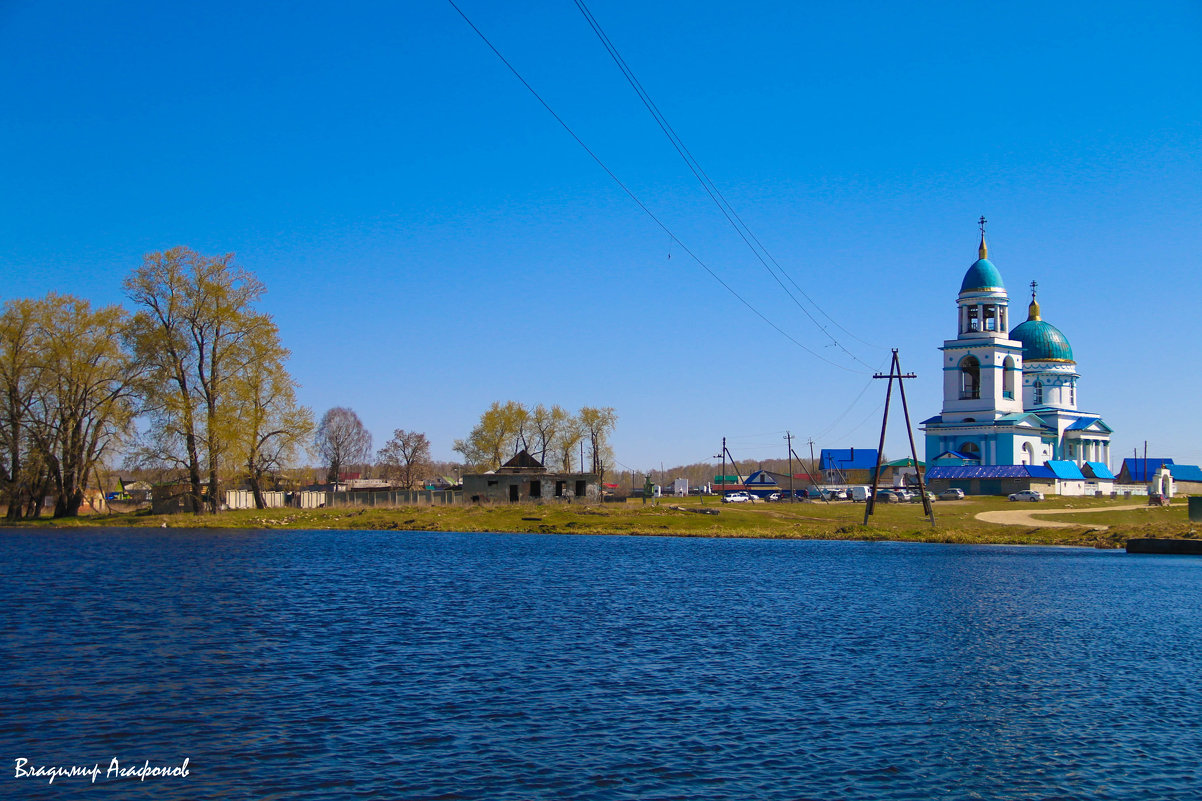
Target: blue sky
432,240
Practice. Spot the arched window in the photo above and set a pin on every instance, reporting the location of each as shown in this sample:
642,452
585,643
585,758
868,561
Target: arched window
970,378
970,450
1038,391
1008,372
1028,453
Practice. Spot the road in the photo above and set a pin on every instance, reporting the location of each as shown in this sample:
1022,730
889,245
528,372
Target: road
1027,517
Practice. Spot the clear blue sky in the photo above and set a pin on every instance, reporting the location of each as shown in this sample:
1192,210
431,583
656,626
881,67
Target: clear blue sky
433,241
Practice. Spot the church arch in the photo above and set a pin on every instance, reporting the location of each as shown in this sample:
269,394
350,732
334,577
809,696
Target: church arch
1008,376
970,450
970,378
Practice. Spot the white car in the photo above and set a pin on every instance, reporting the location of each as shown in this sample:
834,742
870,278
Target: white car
1027,495
736,497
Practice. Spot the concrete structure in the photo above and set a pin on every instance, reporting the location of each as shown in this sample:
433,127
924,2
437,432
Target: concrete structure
1010,399
524,479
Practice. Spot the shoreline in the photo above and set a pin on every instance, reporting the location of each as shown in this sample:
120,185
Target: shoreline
965,522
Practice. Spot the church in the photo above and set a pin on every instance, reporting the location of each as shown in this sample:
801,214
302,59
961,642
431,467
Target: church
1010,394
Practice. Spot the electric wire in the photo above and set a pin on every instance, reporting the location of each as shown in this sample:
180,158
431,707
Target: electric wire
639,202
728,211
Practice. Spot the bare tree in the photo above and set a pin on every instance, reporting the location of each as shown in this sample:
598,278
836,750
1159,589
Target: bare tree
405,455
341,440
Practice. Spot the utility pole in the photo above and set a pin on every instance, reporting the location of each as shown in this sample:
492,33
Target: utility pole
789,440
724,466
870,503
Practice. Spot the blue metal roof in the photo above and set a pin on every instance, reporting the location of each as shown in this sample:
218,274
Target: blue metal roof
1099,470
1186,472
761,478
1065,469
1143,469
848,458
981,471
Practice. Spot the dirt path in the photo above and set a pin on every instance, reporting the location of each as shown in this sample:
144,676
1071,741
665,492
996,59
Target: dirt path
1027,517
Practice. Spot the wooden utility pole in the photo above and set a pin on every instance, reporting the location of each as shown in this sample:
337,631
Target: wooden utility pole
870,503
789,440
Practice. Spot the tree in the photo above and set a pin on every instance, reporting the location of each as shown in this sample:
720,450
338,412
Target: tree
194,329
546,425
82,402
21,473
598,424
341,440
272,424
499,435
407,453
566,442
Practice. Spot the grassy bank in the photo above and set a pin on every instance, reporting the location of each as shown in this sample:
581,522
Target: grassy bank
955,520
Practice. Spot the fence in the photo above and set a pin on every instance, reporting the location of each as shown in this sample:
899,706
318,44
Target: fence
313,500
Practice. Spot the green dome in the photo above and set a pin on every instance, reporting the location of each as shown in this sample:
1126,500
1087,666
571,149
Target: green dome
982,275
1042,341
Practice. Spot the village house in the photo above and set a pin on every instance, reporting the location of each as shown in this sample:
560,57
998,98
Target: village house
524,479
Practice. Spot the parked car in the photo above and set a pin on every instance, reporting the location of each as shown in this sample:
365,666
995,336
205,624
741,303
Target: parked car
887,496
952,494
774,496
860,494
902,493
916,497
736,497
836,495
1027,495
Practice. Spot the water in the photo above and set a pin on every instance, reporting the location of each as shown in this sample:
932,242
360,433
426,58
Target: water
455,666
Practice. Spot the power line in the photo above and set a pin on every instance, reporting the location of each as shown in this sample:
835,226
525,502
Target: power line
640,203
741,228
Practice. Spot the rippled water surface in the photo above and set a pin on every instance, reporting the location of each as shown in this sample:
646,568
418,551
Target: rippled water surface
468,666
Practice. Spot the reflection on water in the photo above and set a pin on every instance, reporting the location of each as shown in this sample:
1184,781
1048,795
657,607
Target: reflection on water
421,665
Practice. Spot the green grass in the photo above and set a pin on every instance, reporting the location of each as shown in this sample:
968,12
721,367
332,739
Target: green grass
955,520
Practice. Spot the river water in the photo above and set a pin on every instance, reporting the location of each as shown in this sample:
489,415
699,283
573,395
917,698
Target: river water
473,666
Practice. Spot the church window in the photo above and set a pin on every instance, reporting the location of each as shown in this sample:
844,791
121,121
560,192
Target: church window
1008,372
990,317
1072,393
970,378
1038,391
974,322
970,450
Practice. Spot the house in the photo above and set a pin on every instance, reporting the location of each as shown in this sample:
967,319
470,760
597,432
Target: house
848,466
524,479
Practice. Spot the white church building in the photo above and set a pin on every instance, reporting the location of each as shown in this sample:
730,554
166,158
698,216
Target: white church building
1010,394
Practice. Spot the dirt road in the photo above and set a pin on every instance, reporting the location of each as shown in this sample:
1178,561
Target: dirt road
1027,517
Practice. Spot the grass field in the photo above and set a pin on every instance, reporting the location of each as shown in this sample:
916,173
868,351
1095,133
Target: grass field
955,521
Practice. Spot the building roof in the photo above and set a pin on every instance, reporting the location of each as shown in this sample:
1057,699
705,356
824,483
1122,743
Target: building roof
981,275
1143,469
1097,470
907,462
1065,469
762,478
521,463
1089,422
981,471
848,459
1186,472
1042,341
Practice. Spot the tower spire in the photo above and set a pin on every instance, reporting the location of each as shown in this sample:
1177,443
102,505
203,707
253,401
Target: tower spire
982,251
1033,309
